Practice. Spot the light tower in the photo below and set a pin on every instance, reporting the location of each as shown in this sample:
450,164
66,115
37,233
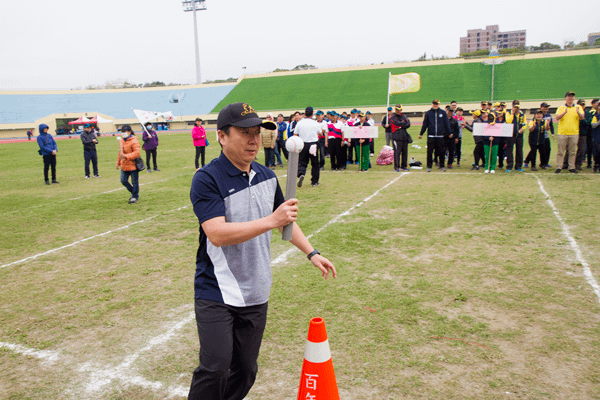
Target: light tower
193,5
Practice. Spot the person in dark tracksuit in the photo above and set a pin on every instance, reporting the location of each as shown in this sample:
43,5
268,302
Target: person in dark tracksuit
385,122
547,147
537,136
89,140
399,123
584,131
435,122
517,118
596,134
48,151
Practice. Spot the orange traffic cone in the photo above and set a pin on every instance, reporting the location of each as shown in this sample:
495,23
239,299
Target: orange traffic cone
318,379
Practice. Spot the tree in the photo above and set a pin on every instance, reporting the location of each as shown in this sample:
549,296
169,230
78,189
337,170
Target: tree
423,57
597,42
546,46
303,67
569,45
582,45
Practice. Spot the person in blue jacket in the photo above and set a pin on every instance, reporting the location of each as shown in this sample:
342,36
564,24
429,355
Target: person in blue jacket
437,126
48,151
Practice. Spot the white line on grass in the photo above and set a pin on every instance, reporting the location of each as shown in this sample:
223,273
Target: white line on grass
589,277
283,257
46,356
85,240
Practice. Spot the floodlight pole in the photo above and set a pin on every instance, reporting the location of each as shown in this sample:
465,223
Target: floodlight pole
198,80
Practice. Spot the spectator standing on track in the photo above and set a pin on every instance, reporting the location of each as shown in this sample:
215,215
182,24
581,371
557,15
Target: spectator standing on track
568,117
199,139
537,137
281,128
130,150
269,137
450,138
237,202
399,123
48,150
308,130
150,139
385,122
519,121
89,140
435,122
584,132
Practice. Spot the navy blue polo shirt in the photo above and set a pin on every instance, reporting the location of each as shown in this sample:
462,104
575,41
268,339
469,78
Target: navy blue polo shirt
238,275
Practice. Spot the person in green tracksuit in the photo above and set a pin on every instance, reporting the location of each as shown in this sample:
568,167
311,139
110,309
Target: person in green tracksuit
490,147
364,145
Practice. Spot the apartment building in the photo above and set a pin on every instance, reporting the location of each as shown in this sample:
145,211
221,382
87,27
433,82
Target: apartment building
480,39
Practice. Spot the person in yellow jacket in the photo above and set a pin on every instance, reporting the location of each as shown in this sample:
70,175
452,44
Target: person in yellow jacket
269,137
129,150
568,117
519,121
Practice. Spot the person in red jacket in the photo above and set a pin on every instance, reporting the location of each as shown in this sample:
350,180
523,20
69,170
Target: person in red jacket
199,137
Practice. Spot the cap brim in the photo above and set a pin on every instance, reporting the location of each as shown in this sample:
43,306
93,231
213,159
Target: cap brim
250,122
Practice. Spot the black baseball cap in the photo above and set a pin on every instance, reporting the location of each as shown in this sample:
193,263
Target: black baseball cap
569,93
436,101
581,102
241,115
126,128
516,103
544,104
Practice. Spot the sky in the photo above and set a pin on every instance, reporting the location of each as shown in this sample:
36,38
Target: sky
72,44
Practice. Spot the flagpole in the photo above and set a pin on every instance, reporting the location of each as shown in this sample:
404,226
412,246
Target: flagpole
388,94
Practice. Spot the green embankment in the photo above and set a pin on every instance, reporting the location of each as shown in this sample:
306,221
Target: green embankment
547,78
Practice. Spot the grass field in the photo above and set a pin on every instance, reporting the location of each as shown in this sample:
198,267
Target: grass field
453,285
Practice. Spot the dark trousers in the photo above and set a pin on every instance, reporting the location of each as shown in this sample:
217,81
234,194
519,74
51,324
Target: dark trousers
547,149
400,150
269,156
478,152
343,155
458,151
303,160
335,151
230,339
322,151
501,150
353,148
281,147
50,162
589,149
596,156
517,161
134,186
151,153
90,155
372,146
580,151
531,157
436,144
200,151
450,146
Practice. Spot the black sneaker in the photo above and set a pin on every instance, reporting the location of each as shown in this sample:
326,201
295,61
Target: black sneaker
54,181
96,176
557,171
300,180
133,200
47,182
314,184
156,169
573,171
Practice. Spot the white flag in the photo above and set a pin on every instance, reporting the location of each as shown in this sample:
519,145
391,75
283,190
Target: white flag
145,116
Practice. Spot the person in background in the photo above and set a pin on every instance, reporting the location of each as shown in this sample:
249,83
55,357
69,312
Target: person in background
596,133
568,117
478,152
399,123
385,122
269,137
280,147
335,139
490,149
458,142
199,138
150,139
450,138
584,132
371,122
435,122
129,151
89,140
48,150
308,130
545,107
29,135
323,142
364,147
537,136
519,121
